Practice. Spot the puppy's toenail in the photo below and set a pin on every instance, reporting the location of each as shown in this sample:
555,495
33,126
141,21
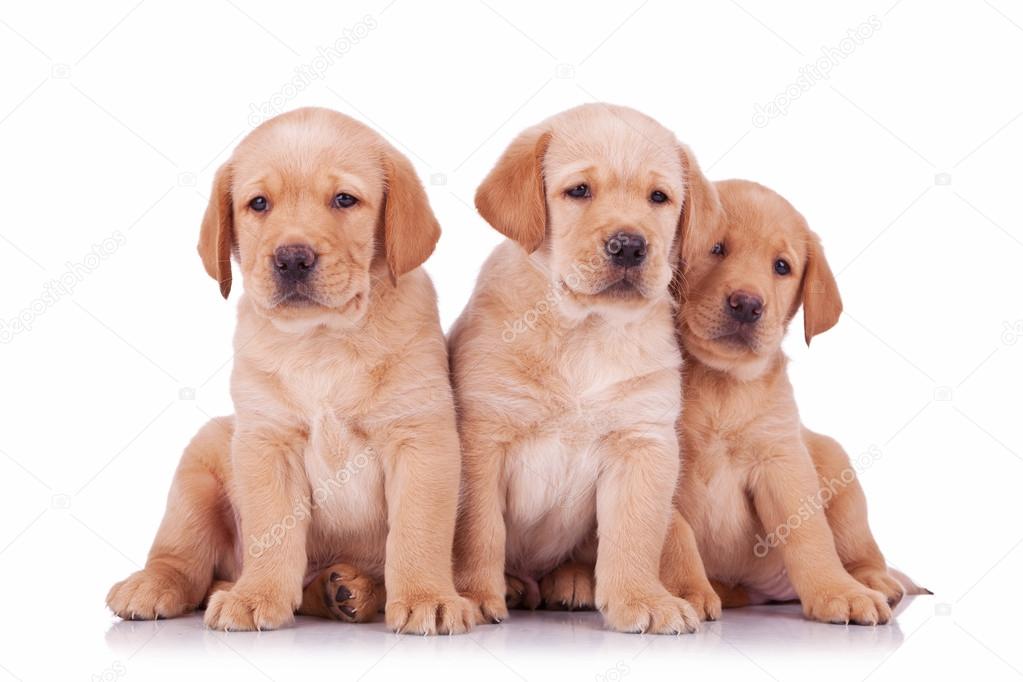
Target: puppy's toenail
348,611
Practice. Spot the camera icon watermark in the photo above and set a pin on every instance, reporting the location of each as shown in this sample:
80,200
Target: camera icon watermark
60,71
943,394
186,393
438,179
186,179
1012,332
943,609
60,501
943,179
564,71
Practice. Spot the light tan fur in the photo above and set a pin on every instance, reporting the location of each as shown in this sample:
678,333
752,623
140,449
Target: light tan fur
339,474
566,383
775,509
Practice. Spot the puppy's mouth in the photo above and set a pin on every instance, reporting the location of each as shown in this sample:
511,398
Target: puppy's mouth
624,285
623,288
729,335
743,336
297,296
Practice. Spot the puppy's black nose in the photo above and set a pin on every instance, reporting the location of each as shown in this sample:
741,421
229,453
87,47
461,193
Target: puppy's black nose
745,307
294,262
626,250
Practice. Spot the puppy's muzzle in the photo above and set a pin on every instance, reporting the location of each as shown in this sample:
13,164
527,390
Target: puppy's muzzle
626,249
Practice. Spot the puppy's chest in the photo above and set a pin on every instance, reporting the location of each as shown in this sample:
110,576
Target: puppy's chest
596,384
340,382
331,392
345,474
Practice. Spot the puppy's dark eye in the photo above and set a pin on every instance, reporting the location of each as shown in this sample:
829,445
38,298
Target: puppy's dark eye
658,197
579,192
781,266
718,249
259,204
344,201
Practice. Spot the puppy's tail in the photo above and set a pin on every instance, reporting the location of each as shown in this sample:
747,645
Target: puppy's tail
907,582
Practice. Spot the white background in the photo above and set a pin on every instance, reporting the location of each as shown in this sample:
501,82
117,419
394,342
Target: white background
114,117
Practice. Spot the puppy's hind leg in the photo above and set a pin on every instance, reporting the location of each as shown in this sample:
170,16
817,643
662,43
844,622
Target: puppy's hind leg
192,538
846,510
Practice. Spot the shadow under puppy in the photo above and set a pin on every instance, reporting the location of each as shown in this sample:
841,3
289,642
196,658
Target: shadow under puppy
565,367
776,510
339,472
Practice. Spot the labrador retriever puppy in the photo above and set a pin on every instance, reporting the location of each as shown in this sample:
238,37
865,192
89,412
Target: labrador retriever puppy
338,474
565,367
774,509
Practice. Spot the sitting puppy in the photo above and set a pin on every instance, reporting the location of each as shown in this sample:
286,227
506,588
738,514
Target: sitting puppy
340,470
565,367
775,509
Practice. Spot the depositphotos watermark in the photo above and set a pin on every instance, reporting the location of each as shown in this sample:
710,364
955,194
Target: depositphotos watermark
581,273
815,503
303,510
55,290
816,71
316,69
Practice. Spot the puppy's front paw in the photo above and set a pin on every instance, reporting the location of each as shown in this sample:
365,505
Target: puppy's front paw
704,600
656,613
349,595
568,587
492,607
446,614
150,594
848,602
247,608
881,580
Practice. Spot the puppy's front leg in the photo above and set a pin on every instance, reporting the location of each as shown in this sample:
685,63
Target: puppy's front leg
480,541
634,494
682,569
421,469
787,498
271,496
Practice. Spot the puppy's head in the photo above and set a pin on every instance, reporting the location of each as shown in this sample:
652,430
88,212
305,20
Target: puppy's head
596,194
316,208
745,276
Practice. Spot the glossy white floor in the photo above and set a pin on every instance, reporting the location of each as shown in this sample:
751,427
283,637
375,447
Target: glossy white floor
770,642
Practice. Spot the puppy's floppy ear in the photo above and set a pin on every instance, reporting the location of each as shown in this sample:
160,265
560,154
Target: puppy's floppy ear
822,304
216,236
410,230
701,209
512,197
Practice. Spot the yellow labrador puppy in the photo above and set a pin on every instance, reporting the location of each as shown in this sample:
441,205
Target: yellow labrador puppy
775,509
339,473
566,366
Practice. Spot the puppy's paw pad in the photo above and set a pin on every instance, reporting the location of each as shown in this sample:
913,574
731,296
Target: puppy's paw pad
432,615
150,594
240,609
659,614
349,595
